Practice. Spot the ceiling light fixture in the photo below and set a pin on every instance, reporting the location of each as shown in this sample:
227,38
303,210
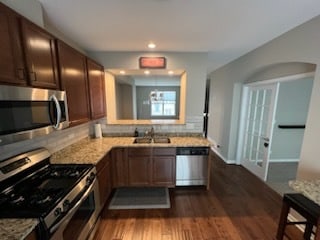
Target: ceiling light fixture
170,72
122,72
147,72
151,45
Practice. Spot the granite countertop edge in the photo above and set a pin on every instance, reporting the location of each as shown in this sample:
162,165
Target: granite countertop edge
91,150
309,188
16,229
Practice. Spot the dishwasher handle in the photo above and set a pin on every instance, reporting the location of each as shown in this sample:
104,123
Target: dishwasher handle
187,151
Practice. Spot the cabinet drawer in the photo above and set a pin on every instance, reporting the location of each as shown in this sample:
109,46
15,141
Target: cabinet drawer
140,151
164,151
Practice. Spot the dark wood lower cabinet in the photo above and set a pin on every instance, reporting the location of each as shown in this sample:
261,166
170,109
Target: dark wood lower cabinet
163,171
104,176
164,166
149,166
32,235
139,166
119,167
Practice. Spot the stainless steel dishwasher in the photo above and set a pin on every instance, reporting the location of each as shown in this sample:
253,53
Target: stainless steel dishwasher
191,166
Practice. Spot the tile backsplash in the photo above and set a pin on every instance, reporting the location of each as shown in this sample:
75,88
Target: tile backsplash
53,142
61,139
193,125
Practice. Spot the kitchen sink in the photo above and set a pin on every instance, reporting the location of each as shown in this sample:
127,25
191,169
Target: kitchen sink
142,140
161,140
151,140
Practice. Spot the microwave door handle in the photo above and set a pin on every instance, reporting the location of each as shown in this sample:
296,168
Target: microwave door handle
58,109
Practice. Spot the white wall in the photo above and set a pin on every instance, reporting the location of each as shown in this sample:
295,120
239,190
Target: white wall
31,9
193,63
298,45
292,109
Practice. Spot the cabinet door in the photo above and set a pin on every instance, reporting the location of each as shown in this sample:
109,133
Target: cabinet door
96,89
32,235
139,170
40,55
164,166
119,167
12,68
74,81
163,171
104,178
139,162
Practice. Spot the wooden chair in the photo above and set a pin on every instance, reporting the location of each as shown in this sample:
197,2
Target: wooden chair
306,208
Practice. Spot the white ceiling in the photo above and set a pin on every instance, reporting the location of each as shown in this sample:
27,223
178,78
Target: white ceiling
226,29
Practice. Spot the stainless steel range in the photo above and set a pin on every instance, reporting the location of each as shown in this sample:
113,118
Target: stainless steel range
64,198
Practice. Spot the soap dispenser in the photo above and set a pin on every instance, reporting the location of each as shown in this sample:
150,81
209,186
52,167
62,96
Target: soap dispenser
136,133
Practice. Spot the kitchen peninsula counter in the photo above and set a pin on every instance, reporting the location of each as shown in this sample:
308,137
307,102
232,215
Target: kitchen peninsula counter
309,188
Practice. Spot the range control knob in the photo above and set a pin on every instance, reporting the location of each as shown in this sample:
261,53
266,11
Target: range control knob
90,178
66,205
57,212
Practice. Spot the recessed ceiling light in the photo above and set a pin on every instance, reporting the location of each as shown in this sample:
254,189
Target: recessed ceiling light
170,72
151,45
122,72
147,72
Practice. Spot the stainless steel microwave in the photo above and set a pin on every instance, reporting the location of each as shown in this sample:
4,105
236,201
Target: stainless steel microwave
29,112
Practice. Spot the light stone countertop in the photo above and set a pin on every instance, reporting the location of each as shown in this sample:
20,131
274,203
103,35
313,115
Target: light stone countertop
16,229
87,151
92,150
309,188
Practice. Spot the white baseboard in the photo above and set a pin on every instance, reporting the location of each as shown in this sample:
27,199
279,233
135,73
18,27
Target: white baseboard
228,161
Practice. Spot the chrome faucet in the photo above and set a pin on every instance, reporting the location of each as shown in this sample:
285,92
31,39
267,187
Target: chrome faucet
149,133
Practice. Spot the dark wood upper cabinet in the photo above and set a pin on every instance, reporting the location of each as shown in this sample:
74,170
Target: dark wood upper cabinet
40,56
12,67
73,75
96,89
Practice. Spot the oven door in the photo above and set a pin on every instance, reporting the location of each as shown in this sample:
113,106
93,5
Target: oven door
81,218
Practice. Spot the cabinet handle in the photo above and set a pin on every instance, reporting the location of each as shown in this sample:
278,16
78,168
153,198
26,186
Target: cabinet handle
33,76
21,73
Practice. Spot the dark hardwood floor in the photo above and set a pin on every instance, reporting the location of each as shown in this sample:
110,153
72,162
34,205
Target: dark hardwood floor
237,206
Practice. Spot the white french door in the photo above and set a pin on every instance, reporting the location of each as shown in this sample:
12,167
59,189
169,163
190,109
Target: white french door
258,126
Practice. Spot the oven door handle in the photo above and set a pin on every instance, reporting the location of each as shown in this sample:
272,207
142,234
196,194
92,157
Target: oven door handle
66,219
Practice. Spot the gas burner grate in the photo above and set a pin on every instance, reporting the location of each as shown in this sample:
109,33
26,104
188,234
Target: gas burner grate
43,197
